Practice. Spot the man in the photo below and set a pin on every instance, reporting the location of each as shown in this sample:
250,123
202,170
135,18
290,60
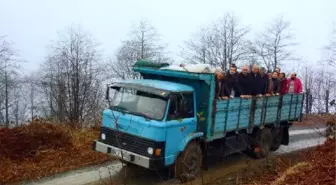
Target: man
232,81
256,88
244,83
270,85
277,69
263,81
283,84
276,83
221,90
294,84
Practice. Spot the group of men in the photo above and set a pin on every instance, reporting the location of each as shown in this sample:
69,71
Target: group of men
254,83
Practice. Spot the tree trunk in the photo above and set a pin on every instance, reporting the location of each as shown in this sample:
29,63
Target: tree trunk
17,112
6,99
32,101
310,103
307,100
275,58
142,44
327,101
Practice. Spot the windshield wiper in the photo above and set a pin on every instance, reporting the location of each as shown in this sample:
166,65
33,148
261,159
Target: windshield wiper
120,108
124,110
142,114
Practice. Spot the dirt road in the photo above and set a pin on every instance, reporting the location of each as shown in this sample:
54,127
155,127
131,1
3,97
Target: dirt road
300,138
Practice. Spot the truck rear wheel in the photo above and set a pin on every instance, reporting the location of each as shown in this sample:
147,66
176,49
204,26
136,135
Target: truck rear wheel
189,162
277,133
262,143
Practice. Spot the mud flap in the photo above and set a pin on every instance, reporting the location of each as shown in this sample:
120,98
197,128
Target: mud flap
285,136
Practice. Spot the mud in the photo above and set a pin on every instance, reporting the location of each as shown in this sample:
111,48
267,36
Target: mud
234,169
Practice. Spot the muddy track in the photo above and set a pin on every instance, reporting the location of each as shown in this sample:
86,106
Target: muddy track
233,169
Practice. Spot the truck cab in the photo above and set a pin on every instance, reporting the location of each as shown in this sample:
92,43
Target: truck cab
148,121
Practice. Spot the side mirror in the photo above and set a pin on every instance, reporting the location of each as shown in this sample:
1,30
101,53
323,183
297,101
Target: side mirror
107,93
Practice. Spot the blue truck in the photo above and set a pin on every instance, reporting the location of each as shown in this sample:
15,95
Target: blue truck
171,119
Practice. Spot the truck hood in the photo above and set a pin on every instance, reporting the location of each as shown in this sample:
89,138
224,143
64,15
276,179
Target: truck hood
135,125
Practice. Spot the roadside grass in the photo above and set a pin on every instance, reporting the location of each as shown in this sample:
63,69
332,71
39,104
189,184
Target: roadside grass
315,119
41,148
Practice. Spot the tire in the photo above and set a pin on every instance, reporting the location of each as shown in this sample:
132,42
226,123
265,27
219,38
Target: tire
262,143
277,133
189,163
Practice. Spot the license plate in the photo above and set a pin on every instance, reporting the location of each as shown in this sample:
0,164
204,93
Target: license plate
121,154
117,153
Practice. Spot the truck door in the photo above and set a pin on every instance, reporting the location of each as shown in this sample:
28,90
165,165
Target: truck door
181,121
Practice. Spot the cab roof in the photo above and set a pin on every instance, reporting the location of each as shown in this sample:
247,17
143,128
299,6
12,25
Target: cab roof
159,84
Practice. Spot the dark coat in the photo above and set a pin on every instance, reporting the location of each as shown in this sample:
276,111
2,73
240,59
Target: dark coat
264,84
244,84
221,88
232,83
276,85
270,86
255,84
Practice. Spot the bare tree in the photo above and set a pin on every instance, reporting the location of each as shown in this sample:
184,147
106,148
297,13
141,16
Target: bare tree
30,87
71,76
19,103
220,44
196,49
8,73
331,50
320,86
143,43
274,44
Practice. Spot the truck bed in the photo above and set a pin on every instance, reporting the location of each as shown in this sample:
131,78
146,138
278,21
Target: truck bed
238,114
230,115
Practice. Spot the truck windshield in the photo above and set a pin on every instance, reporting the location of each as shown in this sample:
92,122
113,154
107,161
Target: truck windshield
139,103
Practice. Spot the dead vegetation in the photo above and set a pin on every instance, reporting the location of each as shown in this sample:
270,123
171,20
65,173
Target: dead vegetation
315,167
41,149
315,119
331,127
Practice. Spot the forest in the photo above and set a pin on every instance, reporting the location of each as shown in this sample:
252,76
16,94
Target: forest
70,83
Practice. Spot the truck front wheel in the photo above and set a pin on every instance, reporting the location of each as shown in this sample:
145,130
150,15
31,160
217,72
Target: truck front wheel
189,162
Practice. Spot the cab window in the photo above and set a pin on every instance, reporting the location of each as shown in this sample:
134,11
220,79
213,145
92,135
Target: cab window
181,106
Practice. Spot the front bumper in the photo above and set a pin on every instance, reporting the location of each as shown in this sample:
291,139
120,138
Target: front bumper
146,162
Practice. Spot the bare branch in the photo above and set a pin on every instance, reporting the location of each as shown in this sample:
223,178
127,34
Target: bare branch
72,80
331,50
144,43
220,44
273,46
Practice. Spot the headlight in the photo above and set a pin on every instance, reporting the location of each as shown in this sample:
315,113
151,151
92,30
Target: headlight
103,136
150,150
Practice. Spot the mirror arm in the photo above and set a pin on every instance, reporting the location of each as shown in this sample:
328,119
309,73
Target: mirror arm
107,93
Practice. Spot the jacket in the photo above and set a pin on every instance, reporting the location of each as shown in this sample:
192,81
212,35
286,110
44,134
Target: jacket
297,85
221,88
276,85
270,87
244,84
283,87
256,85
232,83
264,84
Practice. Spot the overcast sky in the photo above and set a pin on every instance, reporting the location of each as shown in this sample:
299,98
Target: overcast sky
31,24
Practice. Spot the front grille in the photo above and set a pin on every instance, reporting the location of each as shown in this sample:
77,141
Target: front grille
130,142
